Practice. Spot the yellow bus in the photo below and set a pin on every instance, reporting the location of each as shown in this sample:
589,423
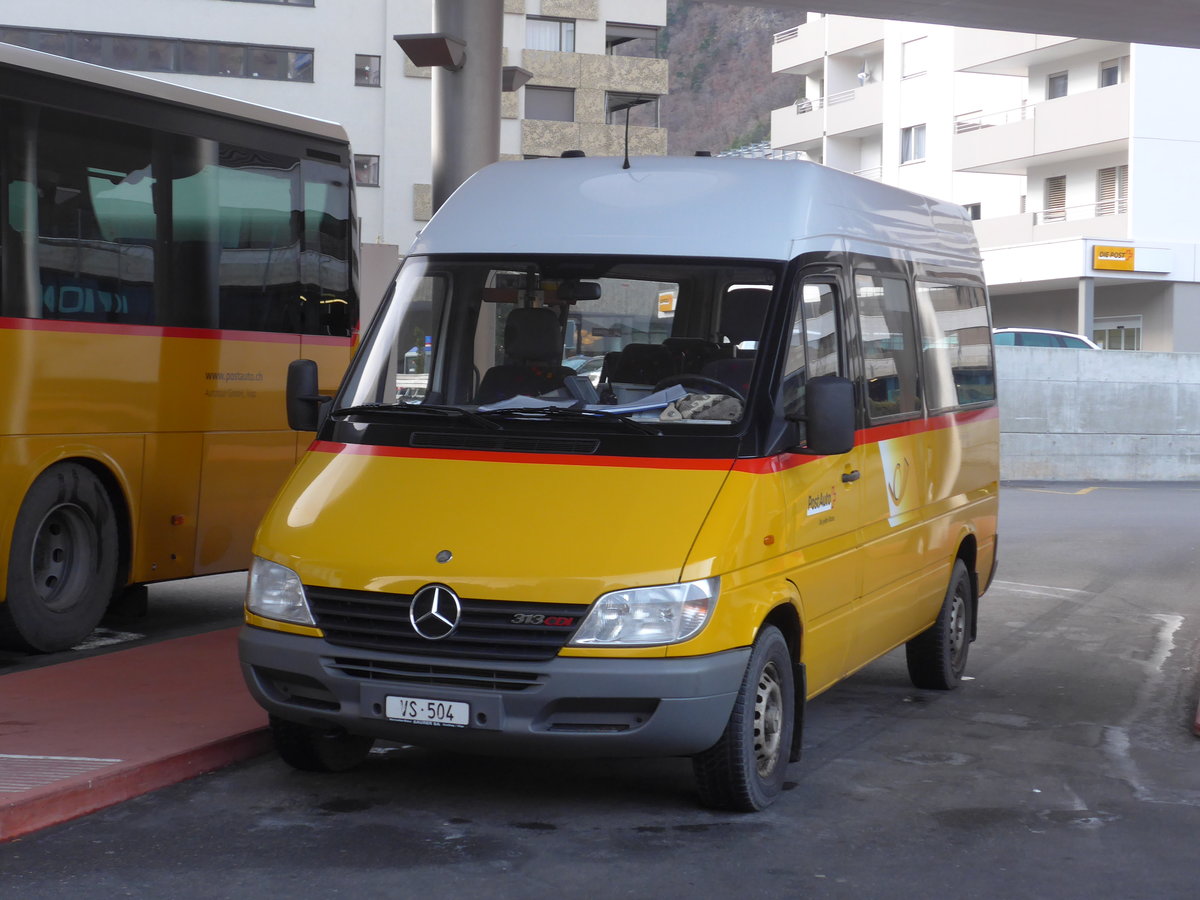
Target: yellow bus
163,254
787,466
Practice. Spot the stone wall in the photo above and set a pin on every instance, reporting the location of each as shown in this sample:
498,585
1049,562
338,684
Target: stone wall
1098,415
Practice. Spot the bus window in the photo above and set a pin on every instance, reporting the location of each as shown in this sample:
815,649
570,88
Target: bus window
325,258
259,194
889,345
95,220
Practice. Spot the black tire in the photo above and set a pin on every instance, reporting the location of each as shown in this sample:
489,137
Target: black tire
937,657
311,749
62,564
744,770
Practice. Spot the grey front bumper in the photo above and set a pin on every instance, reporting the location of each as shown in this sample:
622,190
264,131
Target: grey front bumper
566,706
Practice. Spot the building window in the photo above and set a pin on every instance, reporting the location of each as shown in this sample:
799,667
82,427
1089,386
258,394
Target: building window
550,34
1055,199
1112,72
366,170
550,104
366,70
1112,190
974,211
631,40
136,53
913,58
1118,333
912,144
1056,85
642,109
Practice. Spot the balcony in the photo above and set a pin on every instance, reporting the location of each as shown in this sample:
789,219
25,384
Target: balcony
801,125
1073,127
1107,221
1008,53
855,111
801,50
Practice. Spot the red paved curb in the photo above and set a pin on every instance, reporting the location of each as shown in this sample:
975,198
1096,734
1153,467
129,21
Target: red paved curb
22,817
79,736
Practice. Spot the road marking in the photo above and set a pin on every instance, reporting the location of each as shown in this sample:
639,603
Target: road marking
107,637
1042,589
24,773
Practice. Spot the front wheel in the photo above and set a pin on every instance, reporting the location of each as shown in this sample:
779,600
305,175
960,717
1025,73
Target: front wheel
744,770
313,749
937,657
62,564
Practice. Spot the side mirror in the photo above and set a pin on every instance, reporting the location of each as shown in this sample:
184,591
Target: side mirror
304,401
829,413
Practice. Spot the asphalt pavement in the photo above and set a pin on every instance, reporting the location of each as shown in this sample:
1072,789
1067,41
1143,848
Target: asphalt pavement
1066,767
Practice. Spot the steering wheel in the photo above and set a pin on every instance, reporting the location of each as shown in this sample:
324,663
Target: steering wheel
703,381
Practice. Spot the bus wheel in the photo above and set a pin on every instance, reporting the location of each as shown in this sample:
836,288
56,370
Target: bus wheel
62,564
937,657
744,770
312,749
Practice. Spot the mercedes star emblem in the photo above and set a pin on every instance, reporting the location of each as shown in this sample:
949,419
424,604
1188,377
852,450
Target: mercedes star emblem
434,612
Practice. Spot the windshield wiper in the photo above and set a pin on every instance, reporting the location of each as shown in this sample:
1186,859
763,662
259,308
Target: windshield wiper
571,414
385,410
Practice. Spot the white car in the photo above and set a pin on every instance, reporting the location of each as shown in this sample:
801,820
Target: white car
1041,337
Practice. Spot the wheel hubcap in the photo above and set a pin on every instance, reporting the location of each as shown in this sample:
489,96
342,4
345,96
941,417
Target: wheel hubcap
768,720
60,556
958,630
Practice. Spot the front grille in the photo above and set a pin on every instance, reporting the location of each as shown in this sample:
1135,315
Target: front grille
371,620
483,679
510,443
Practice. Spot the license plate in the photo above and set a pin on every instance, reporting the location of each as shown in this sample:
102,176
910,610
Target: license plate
419,711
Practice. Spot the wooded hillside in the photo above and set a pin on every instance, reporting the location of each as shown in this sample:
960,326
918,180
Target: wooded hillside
721,87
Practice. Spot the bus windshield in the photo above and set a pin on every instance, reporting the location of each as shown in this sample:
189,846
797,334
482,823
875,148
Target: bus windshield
655,340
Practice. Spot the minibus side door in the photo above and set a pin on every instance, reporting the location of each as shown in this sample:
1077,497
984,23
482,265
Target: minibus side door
821,492
897,569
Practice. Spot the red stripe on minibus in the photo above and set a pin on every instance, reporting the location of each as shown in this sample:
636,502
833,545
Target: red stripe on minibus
769,464
757,466
508,456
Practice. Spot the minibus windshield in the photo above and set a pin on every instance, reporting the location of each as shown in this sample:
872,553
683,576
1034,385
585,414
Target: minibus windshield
572,340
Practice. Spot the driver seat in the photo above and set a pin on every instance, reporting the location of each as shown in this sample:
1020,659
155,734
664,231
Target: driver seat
743,313
533,350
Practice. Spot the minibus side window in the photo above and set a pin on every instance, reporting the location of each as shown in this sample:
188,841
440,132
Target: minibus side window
956,345
889,345
812,345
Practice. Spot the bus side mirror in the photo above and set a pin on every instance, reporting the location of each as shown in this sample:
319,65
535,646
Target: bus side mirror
304,402
829,414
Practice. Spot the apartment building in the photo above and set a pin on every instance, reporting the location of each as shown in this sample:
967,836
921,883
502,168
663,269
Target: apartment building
593,63
1076,158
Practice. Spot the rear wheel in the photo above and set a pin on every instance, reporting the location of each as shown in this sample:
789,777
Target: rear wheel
313,749
62,564
937,657
744,770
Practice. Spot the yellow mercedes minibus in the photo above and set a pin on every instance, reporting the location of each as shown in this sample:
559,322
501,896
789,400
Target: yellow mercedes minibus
634,462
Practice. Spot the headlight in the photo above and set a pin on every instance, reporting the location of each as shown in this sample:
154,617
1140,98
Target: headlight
275,592
666,614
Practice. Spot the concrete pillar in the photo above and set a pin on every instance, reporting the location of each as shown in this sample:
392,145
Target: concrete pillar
1087,307
466,103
